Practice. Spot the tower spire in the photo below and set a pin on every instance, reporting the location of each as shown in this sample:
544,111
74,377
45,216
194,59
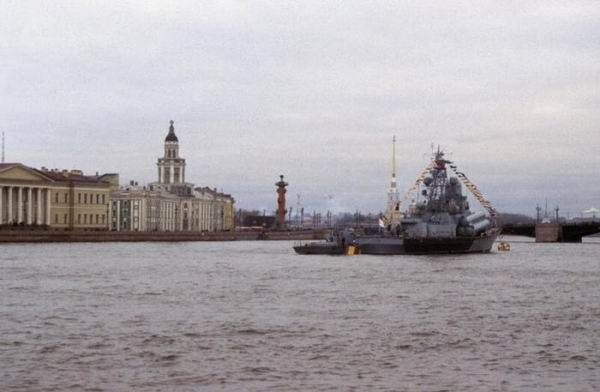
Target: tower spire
393,198
394,157
171,137
171,167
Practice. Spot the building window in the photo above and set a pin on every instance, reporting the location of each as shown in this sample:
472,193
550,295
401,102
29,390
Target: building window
85,198
102,218
78,219
66,198
97,218
176,175
79,198
97,199
103,200
85,219
56,197
65,219
56,218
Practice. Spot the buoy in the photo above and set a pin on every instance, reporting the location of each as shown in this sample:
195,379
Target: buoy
351,250
503,246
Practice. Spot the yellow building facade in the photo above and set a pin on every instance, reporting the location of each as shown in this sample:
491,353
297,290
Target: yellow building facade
63,200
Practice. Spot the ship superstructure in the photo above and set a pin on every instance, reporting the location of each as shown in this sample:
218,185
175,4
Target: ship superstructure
442,221
444,211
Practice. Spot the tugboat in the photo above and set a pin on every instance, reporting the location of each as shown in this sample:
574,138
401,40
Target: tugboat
442,222
335,244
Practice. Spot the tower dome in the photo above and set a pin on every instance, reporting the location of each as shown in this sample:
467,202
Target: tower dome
171,167
171,137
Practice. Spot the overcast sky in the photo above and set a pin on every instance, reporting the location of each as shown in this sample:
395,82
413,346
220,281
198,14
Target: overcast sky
313,90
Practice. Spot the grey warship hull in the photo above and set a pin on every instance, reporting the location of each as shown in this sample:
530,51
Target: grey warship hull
425,246
450,245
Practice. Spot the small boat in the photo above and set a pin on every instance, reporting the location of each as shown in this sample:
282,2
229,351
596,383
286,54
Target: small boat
319,248
335,244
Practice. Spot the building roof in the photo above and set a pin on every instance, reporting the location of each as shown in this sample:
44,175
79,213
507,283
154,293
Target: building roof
213,192
71,176
8,165
171,137
56,175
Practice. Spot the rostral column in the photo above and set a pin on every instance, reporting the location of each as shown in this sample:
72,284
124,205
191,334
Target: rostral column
281,211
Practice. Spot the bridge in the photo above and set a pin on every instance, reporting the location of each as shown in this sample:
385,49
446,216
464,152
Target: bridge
553,232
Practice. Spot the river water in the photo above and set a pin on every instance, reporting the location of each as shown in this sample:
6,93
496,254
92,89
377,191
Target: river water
254,316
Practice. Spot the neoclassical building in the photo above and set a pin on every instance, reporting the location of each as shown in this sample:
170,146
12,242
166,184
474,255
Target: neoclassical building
171,203
60,199
25,195
140,208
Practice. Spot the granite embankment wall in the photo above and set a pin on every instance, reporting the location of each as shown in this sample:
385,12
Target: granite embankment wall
8,236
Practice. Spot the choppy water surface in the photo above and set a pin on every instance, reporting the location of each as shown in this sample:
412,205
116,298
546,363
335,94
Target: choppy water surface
255,316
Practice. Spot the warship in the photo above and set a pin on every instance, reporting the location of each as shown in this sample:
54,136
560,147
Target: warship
442,222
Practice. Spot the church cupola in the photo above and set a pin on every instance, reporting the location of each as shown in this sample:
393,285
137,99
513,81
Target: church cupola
171,144
171,137
171,168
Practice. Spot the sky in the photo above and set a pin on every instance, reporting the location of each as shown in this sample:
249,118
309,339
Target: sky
313,90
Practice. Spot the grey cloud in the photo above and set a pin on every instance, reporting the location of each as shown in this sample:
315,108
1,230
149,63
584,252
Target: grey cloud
313,90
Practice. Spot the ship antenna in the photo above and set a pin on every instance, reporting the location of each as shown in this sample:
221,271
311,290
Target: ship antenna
393,184
3,157
394,157
393,193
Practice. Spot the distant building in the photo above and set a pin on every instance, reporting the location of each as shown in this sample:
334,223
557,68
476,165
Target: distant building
61,199
259,221
136,208
171,204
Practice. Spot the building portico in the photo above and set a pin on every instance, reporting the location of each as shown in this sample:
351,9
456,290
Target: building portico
60,199
24,204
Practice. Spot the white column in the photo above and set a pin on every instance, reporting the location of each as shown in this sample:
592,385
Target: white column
38,215
171,173
108,213
29,202
131,209
20,205
9,218
48,206
174,216
118,215
1,206
160,175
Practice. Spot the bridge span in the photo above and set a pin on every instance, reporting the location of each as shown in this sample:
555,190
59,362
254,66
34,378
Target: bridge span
553,232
